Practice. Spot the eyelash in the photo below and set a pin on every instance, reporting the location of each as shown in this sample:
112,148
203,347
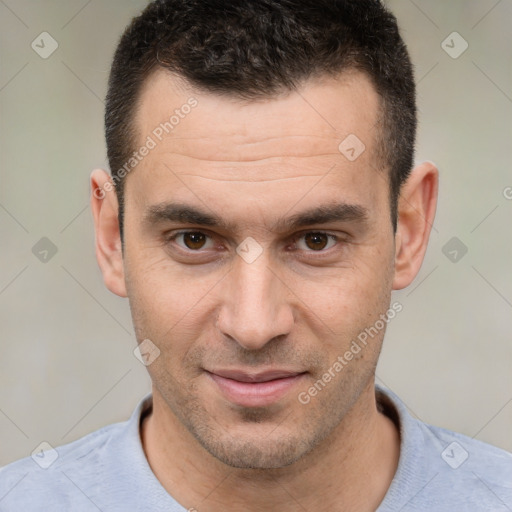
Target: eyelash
332,237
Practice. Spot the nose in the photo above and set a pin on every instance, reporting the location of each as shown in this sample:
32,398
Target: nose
256,307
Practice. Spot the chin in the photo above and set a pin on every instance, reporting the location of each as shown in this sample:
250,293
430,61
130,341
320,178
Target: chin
256,446
252,455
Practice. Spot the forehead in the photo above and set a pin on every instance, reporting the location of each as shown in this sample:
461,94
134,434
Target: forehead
206,139
325,111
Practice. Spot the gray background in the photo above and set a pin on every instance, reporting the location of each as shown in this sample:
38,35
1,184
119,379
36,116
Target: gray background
67,365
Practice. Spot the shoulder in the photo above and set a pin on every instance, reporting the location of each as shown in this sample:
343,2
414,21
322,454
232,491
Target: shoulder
98,471
479,450
437,444
48,475
482,460
462,472
442,470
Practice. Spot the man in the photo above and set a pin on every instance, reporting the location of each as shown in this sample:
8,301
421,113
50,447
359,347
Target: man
262,206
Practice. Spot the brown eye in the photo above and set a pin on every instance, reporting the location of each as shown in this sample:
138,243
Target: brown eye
194,240
316,241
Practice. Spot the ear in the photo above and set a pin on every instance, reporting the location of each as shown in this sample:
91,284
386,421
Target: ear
416,211
109,252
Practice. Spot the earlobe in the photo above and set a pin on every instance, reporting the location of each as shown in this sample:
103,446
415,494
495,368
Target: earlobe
416,211
109,252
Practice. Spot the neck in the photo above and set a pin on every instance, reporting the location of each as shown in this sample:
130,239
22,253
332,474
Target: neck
350,470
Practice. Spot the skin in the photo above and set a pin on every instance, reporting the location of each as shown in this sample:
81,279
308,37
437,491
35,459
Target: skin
298,306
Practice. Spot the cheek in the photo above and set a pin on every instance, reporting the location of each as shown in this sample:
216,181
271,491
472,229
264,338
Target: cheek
349,294
348,301
168,303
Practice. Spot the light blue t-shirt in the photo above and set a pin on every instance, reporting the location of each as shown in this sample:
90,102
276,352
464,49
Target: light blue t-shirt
438,471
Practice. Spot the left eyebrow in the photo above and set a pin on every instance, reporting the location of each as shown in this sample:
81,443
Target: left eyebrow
338,212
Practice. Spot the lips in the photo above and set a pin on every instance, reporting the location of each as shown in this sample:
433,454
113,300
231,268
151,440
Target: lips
241,376
248,389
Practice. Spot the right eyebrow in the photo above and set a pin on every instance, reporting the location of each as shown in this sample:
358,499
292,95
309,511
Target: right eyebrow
183,213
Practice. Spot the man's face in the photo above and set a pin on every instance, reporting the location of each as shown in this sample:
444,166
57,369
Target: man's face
224,308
